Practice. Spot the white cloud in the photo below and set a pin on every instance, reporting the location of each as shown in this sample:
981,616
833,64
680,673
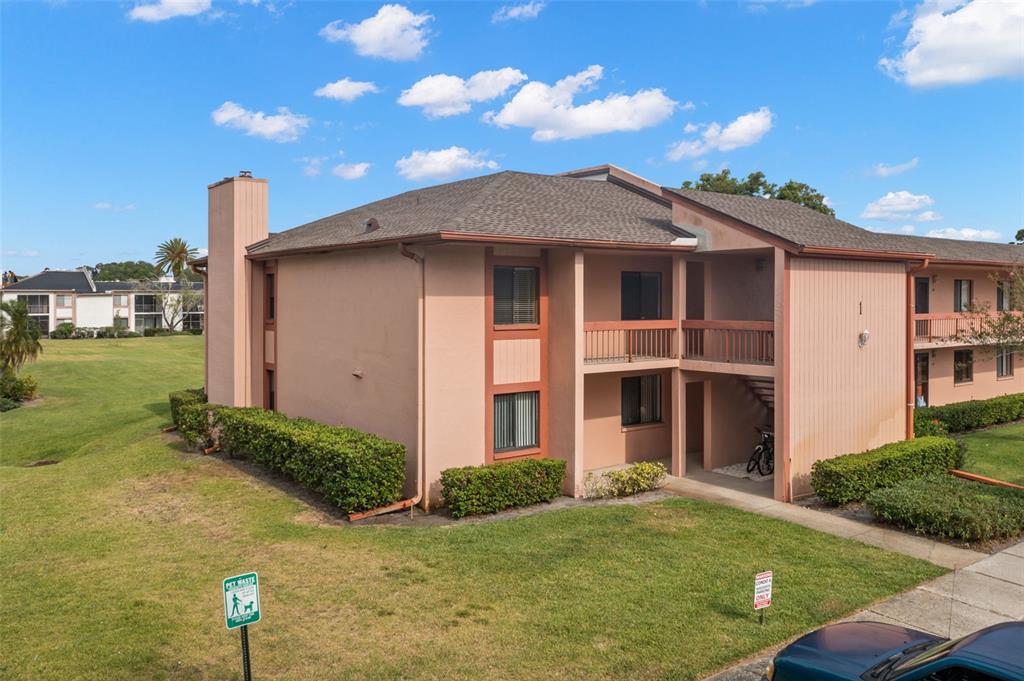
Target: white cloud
550,111
691,128
443,95
442,163
168,9
393,33
523,12
311,165
114,207
346,89
952,42
284,126
746,130
10,253
896,206
883,170
928,216
202,252
967,234
688,106
351,171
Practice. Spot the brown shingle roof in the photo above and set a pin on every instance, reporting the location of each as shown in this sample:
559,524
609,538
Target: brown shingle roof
804,227
505,204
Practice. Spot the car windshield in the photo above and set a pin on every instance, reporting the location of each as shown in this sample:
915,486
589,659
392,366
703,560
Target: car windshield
930,655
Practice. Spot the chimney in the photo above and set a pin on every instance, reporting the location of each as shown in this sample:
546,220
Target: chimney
237,218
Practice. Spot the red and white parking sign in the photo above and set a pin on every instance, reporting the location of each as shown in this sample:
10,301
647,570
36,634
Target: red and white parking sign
762,590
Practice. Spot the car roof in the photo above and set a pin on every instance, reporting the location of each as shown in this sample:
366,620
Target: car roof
998,647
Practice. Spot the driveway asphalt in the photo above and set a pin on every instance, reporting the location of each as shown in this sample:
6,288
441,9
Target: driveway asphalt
984,593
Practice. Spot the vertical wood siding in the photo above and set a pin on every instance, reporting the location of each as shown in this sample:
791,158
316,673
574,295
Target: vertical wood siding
516,361
845,398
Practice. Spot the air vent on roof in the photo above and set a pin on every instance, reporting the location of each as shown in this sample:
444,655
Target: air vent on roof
371,225
245,173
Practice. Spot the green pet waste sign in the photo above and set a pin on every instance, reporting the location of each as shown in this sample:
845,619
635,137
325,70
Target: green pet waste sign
241,600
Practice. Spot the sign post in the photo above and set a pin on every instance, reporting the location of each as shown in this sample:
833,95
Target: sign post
242,608
762,592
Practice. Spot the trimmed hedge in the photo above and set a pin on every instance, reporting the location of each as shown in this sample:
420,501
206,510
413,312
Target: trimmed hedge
495,487
852,476
639,477
963,416
951,508
180,398
195,423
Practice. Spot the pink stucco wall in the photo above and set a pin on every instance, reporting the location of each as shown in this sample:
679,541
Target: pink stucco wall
603,283
606,442
344,313
942,390
739,286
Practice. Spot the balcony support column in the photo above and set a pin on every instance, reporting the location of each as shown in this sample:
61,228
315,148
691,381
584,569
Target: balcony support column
678,415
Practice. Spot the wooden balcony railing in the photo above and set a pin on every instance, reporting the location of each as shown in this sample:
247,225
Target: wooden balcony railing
743,342
944,326
629,341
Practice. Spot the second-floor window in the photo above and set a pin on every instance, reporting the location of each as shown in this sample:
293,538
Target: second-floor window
962,295
121,301
36,304
1002,296
516,295
641,400
270,286
641,295
1004,363
63,301
963,366
146,304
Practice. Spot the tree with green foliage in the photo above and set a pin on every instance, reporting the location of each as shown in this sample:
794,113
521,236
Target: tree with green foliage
998,330
128,270
172,257
19,337
756,184
1019,237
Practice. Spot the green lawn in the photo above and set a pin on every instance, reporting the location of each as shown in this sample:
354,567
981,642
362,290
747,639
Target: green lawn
111,562
997,452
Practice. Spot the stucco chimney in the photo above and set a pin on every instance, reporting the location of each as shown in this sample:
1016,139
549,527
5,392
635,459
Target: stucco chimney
237,218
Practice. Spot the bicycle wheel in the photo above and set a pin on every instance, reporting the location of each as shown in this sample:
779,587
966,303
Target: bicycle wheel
755,459
766,464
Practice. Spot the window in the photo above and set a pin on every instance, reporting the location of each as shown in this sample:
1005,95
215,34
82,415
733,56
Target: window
149,321
963,366
641,295
271,391
271,296
146,303
120,322
962,295
1002,296
641,400
36,304
1004,363
516,421
63,301
192,321
121,300
516,295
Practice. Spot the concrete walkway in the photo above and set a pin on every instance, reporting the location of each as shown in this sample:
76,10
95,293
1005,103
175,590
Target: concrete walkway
984,593
741,494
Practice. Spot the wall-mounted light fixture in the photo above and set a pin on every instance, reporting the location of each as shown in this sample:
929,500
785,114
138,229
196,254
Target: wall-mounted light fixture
358,373
862,339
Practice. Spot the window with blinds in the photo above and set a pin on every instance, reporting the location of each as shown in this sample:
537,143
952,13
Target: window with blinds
1004,363
962,294
516,295
516,422
641,399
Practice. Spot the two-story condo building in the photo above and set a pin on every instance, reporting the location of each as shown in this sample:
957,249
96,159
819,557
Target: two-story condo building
57,297
594,317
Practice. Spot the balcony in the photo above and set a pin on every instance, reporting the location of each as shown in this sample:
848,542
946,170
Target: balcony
944,328
629,341
146,308
38,309
735,342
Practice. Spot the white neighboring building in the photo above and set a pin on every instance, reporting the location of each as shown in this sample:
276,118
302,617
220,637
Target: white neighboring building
58,296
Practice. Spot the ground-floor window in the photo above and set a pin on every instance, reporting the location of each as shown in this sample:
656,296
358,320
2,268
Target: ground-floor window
271,390
1004,363
963,366
193,321
147,321
516,417
120,322
641,399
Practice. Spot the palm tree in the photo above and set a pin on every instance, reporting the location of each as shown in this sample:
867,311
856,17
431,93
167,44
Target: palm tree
19,336
173,256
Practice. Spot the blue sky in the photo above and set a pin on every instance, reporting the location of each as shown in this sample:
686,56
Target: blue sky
116,115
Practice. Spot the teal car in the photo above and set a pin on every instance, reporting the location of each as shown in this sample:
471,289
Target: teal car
872,651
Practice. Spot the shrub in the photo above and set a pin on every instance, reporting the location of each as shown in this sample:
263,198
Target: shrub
84,332
7,404
930,426
355,471
63,331
971,415
640,477
180,398
951,508
17,388
850,477
495,487
195,421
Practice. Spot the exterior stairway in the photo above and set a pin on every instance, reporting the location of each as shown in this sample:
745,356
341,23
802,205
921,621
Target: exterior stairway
763,388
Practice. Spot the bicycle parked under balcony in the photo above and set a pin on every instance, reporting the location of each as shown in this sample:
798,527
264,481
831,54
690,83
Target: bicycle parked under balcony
763,458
